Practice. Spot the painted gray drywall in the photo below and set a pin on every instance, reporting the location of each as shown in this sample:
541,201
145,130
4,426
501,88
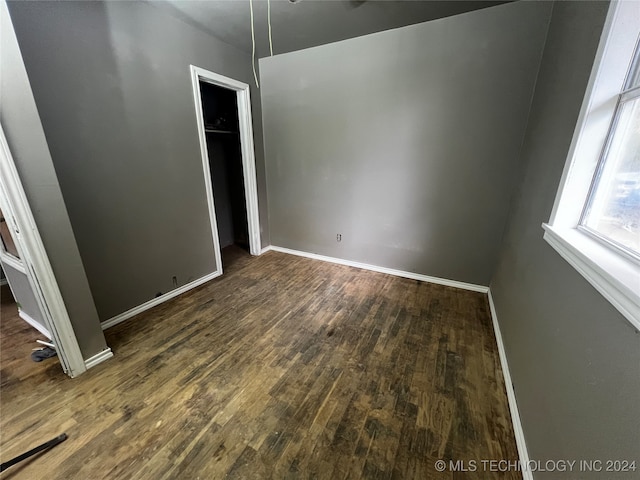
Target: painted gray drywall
308,23
113,87
23,294
405,142
26,139
574,360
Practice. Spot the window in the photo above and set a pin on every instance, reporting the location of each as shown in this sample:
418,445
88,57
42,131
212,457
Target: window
595,222
612,211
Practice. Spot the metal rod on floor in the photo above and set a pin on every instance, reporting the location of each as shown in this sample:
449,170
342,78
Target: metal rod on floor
40,448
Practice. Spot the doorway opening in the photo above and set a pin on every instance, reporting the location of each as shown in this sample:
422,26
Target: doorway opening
222,131
17,279
19,305
223,114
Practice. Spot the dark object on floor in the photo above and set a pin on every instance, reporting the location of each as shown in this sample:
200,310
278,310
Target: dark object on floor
40,448
46,352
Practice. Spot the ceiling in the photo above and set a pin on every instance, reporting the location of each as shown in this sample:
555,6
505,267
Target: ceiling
308,23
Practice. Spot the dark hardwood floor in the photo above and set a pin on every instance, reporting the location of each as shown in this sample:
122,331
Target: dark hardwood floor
284,367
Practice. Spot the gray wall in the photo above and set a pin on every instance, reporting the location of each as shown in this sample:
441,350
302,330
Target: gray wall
112,84
574,360
405,142
21,124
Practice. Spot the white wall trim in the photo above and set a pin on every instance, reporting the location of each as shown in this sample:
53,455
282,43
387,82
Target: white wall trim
511,395
19,218
98,358
195,85
266,249
246,145
616,278
34,323
3,282
390,271
249,169
157,301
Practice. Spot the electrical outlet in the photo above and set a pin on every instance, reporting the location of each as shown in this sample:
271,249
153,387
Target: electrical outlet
339,237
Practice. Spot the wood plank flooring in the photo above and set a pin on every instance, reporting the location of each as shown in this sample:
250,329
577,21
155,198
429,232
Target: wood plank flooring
283,368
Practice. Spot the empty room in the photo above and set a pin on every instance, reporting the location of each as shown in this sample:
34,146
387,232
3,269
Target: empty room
333,239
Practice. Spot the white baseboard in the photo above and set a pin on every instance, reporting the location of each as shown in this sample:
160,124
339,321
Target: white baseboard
266,249
511,395
34,323
389,271
3,282
157,301
98,358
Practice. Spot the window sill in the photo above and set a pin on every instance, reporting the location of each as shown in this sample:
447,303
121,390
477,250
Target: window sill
614,276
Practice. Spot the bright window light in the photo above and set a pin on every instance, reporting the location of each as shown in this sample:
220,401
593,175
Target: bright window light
613,208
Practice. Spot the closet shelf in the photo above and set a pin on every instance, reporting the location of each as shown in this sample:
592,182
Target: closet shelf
213,130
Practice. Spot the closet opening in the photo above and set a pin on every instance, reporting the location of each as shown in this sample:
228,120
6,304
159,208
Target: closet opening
222,133
223,115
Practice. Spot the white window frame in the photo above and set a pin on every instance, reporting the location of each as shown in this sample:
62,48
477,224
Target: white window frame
615,275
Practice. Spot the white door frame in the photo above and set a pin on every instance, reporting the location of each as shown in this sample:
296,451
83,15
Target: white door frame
24,231
248,155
